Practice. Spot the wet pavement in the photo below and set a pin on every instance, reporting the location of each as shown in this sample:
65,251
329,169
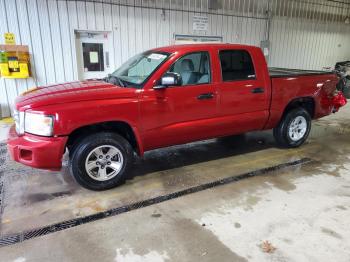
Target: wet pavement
301,210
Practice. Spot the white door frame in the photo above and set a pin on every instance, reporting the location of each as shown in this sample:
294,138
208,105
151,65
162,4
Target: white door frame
78,49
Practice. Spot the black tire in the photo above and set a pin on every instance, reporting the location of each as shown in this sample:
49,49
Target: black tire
281,132
85,146
344,86
346,91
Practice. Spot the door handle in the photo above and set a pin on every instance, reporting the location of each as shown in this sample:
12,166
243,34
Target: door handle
205,96
258,90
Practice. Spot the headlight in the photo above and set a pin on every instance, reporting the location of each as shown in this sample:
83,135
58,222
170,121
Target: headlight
19,121
38,124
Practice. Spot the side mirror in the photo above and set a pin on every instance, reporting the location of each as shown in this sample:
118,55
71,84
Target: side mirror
169,79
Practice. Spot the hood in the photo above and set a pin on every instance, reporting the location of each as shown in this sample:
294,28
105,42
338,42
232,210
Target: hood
72,92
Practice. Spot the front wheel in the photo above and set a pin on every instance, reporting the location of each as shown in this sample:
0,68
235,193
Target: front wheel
101,161
293,129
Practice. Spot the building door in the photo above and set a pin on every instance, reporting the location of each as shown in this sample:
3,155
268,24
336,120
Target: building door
94,54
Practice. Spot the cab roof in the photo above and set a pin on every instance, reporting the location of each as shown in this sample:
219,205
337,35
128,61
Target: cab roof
194,47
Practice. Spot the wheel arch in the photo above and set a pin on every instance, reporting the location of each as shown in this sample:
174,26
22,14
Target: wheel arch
308,103
122,128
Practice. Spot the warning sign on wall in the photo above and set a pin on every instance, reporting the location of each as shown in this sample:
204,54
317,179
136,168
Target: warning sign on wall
10,39
200,23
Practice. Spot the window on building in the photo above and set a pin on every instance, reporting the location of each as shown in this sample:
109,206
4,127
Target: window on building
236,65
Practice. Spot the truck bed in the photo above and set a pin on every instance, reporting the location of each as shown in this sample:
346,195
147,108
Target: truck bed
285,72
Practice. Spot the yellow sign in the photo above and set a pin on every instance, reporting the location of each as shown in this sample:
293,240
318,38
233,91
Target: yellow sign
10,39
13,64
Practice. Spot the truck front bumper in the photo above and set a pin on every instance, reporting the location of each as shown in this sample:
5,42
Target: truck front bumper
36,151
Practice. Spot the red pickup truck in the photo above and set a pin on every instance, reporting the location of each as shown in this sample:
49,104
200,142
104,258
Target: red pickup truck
162,97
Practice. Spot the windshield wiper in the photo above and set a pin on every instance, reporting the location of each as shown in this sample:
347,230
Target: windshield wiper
114,80
121,83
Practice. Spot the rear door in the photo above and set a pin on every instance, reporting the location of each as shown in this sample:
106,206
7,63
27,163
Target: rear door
244,95
180,114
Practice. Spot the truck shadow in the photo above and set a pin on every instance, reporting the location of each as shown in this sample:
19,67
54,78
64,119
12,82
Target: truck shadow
59,184
198,152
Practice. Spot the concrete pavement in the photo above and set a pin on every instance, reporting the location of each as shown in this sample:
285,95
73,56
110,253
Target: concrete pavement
302,211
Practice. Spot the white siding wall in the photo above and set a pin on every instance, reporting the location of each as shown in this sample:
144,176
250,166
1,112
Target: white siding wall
47,26
300,43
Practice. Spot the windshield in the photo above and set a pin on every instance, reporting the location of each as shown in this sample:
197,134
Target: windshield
137,69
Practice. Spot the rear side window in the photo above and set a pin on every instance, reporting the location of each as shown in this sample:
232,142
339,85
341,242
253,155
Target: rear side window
236,65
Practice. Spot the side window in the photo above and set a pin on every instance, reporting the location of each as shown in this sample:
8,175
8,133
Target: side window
194,68
236,65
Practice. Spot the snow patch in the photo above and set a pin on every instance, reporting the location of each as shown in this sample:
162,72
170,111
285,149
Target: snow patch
20,259
130,256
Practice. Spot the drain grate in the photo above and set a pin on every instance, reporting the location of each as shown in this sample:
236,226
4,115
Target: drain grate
1,196
3,149
19,237
2,162
3,156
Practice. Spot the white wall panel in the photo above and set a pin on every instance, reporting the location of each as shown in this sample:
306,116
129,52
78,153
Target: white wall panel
90,16
117,34
124,33
4,97
130,17
46,38
36,46
65,41
152,31
308,45
107,16
12,25
73,24
99,15
82,14
302,35
26,37
56,38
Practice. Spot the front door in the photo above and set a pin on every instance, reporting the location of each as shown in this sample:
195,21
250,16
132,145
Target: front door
180,114
94,55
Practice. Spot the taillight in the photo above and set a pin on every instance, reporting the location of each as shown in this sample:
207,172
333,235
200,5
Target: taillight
335,100
339,100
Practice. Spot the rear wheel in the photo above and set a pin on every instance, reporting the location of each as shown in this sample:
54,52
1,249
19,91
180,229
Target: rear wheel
101,161
293,129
